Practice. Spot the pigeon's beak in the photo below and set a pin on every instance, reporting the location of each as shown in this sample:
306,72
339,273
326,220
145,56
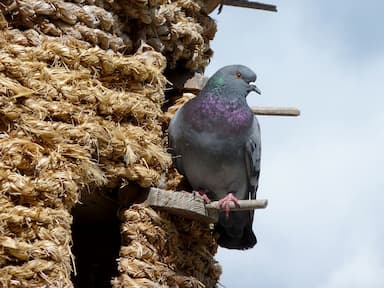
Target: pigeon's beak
254,88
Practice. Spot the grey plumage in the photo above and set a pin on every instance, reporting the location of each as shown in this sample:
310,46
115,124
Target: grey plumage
215,141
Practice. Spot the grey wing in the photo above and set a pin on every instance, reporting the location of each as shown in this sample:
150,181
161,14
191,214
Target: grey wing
175,140
252,158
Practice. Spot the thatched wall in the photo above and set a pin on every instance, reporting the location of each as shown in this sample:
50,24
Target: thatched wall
81,96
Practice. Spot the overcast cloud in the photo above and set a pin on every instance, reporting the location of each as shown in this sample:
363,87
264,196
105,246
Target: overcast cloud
322,172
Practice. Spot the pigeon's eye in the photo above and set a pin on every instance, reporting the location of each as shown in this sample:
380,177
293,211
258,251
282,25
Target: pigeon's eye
238,74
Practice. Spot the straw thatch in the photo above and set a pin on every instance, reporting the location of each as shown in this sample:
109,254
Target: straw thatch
81,96
180,30
63,130
160,250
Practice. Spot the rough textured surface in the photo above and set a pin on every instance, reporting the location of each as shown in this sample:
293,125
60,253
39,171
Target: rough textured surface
81,100
161,251
180,30
64,130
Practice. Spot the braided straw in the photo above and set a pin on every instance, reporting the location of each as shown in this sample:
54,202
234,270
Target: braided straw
162,251
62,130
78,110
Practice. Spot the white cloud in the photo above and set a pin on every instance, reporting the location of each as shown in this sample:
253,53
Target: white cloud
364,268
322,172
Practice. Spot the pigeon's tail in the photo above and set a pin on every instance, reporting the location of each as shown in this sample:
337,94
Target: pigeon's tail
236,232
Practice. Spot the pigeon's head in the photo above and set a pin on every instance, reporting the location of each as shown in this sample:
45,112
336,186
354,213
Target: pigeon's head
237,77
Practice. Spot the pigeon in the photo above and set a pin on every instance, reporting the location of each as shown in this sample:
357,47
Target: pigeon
215,142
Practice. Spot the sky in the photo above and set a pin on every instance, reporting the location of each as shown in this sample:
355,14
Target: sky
321,172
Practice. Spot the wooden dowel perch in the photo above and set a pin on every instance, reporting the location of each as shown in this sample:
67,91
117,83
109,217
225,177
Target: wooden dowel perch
276,111
249,4
244,205
197,82
193,206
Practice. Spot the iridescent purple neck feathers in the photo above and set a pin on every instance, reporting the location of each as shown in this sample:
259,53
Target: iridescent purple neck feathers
212,113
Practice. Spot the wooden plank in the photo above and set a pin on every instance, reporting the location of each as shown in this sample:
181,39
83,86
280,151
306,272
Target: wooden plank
181,203
276,111
192,206
212,4
196,83
249,4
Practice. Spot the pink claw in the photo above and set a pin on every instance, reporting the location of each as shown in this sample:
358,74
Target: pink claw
226,201
204,196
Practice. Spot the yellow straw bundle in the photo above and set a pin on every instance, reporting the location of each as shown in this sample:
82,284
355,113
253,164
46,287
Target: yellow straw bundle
78,111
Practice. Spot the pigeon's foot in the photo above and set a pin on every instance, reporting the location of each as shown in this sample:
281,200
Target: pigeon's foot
202,195
226,201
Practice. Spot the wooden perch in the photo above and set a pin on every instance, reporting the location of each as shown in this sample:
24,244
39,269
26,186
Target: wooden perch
249,4
192,206
197,82
276,111
244,205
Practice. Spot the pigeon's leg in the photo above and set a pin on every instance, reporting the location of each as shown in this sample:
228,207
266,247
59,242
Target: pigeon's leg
203,195
225,202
